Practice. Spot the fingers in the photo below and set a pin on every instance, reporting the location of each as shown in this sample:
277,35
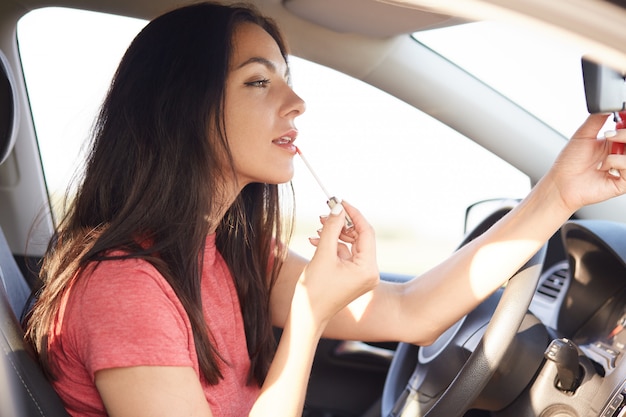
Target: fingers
332,227
615,162
360,235
348,234
357,218
591,127
360,225
616,136
615,166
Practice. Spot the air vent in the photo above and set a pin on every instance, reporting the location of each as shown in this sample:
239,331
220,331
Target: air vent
554,283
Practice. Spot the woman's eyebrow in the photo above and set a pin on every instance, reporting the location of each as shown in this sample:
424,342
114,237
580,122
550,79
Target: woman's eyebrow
263,61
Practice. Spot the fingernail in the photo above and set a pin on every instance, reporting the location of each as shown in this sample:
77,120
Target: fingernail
599,167
610,133
336,210
614,173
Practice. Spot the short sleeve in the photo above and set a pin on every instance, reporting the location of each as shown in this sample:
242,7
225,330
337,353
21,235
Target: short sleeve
125,314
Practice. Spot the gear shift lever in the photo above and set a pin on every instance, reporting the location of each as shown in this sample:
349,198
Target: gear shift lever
564,354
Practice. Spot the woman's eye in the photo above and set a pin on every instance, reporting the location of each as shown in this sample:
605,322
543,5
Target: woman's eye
258,83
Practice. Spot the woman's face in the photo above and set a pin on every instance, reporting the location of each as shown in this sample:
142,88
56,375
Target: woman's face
260,108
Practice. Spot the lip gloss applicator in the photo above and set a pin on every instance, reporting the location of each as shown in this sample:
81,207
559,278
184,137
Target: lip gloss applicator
332,200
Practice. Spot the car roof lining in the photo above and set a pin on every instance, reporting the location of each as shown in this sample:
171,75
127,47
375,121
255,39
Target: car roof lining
601,22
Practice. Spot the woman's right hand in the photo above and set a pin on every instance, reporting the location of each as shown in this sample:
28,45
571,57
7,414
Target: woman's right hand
580,173
344,265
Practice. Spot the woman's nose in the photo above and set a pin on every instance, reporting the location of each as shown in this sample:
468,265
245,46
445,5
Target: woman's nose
294,104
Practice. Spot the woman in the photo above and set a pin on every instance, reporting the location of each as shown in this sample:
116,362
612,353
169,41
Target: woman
165,278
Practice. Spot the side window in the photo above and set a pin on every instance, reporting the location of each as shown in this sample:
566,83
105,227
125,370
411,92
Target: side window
69,58
409,174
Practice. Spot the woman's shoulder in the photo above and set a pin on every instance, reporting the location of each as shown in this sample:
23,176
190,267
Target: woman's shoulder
123,293
122,312
119,281
120,270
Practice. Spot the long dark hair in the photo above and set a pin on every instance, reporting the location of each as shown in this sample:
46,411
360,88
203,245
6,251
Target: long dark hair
154,175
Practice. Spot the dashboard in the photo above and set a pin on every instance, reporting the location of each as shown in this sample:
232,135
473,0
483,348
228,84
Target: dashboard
581,298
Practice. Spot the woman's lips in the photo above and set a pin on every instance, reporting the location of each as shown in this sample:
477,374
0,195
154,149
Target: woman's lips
286,142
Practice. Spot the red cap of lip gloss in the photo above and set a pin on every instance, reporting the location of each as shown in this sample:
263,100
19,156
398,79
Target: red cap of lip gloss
617,148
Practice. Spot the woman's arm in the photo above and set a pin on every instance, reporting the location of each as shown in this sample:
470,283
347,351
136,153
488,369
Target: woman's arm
309,306
152,391
418,311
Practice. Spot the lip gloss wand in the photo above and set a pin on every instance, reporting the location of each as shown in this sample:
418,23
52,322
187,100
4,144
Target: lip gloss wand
332,200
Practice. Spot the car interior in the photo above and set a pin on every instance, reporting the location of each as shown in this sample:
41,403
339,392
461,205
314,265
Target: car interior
550,343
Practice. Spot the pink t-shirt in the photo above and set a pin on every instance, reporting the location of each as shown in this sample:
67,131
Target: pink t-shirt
125,314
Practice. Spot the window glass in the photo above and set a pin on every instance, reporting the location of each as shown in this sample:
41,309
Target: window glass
69,58
541,73
390,160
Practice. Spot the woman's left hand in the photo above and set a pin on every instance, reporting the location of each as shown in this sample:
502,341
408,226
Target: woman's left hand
581,172
344,264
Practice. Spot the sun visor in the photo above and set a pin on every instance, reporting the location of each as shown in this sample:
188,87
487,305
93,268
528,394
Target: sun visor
8,109
368,17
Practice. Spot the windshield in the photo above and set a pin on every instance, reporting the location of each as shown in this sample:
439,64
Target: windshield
542,75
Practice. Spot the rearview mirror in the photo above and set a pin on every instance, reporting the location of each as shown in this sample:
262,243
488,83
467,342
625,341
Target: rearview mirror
605,88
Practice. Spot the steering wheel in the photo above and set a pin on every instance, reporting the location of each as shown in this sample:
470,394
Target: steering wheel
443,381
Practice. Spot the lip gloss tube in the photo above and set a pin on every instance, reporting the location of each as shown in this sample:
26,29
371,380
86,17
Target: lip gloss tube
332,200
620,123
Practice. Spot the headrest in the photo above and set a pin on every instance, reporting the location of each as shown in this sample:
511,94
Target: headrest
8,109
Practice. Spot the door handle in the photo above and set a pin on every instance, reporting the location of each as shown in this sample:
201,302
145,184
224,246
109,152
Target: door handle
351,348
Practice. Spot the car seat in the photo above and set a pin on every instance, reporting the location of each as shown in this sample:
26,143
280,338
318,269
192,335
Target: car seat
24,389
